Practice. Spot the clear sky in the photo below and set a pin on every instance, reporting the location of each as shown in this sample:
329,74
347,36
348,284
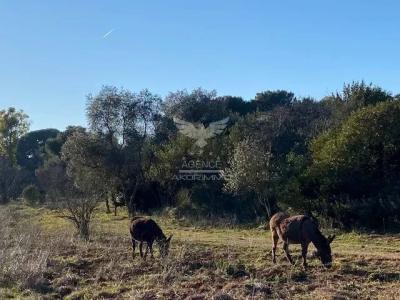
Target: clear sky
53,53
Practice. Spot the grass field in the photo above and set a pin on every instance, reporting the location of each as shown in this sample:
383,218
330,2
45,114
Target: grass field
40,258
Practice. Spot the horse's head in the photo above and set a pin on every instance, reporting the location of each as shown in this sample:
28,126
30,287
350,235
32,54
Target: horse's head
324,251
164,246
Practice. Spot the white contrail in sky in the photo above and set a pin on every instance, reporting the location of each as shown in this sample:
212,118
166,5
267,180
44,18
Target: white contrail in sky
108,33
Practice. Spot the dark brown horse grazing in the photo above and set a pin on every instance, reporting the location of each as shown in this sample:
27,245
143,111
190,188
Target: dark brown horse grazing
299,230
146,230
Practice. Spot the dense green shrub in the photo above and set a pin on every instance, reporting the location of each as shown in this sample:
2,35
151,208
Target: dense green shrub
31,194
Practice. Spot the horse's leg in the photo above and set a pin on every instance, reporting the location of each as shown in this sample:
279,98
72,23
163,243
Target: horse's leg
304,249
133,248
145,251
141,249
286,249
115,210
275,239
285,244
151,249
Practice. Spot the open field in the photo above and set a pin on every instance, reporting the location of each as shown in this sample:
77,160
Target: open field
40,257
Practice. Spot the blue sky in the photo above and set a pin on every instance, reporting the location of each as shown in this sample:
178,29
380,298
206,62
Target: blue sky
52,53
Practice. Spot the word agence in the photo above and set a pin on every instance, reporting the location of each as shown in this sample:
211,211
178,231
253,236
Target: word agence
201,164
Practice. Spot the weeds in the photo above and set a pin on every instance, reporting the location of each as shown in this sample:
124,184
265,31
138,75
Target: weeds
24,253
41,258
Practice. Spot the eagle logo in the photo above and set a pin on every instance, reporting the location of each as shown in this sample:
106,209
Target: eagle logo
200,133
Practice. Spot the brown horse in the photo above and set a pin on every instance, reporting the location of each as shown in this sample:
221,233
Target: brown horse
146,230
299,230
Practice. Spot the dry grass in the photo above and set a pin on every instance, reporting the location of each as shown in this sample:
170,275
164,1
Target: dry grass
22,260
25,251
213,263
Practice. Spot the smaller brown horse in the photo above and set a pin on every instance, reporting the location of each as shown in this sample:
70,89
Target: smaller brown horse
299,230
146,230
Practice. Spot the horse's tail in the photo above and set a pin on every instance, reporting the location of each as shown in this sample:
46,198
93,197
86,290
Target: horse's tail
275,223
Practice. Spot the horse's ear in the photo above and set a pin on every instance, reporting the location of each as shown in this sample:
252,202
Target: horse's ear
331,238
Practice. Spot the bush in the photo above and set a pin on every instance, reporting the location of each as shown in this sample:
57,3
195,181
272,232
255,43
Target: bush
31,194
355,168
184,206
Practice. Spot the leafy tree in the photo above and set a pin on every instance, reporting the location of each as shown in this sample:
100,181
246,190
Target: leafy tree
13,125
12,180
236,105
76,182
197,106
270,129
75,201
78,206
251,170
54,145
307,118
89,162
354,96
177,154
358,95
269,100
50,179
259,143
176,150
31,152
121,115
357,166
169,158
282,135
126,121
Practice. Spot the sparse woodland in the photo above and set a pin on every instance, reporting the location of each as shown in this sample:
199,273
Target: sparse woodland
66,196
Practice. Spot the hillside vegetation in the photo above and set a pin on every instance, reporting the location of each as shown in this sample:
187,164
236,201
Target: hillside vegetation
336,158
211,170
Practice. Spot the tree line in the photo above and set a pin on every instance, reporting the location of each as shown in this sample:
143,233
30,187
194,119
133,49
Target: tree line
337,158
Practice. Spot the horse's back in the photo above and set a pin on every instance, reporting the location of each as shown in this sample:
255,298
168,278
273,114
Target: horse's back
298,229
294,229
144,228
276,219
